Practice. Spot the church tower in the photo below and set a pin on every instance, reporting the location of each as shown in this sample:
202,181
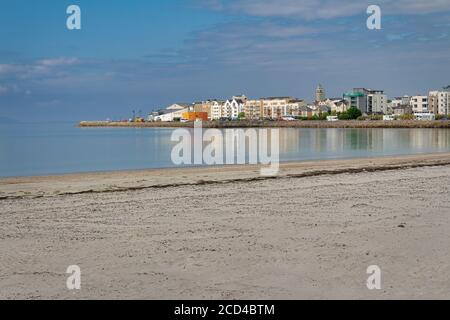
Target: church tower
320,93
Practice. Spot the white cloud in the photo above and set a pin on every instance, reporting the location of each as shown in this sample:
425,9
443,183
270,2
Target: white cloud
327,9
36,68
57,62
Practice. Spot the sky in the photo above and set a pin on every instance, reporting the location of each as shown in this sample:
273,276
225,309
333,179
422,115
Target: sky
147,54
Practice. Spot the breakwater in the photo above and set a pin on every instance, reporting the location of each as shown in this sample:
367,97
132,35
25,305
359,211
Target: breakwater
276,124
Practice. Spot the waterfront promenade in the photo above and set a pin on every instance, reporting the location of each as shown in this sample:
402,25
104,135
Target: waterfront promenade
275,124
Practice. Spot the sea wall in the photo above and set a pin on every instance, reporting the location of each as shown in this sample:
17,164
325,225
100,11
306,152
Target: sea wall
276,124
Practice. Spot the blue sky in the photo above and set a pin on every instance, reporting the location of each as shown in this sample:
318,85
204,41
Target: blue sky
143,55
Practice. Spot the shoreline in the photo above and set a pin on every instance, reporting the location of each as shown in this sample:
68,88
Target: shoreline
345,124
133,180
309,234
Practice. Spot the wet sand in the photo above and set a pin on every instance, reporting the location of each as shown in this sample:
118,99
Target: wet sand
216,233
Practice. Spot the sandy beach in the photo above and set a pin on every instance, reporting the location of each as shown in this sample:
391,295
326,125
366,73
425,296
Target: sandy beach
227,233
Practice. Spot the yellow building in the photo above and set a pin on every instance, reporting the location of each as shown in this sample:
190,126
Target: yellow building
194,116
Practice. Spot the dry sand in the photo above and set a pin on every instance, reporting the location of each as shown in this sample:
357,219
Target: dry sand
226,233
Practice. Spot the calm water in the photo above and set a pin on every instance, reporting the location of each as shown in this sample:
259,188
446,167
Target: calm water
40,149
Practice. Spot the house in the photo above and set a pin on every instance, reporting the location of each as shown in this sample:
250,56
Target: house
320,109
232,108
402,109
337,105
216,109
305,112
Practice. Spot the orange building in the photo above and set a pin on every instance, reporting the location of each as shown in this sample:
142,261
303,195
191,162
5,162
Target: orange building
194,116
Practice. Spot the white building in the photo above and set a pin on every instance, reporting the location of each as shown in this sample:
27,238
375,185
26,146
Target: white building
336,105
275,107
439,102
175,111
400,101
419,104
377,102
232,108
216,110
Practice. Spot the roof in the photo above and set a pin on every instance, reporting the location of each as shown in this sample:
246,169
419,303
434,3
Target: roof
353,94
276,98
305,108
323,108
178,106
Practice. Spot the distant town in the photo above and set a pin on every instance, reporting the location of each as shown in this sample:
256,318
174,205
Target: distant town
359,103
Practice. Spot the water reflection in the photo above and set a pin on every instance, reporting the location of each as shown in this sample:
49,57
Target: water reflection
298,144
36,149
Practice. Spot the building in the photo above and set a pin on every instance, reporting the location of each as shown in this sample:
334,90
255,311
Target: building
173,112
209,106
203,106
433,101
253,109
439,102
402,110
367,100
179,106
320,94
216,109
397,102
305,112
377,102
357,98
232,108
275,107
278,107
419,104
295,108
319,108
337,105
195,116
242,98
152,116
340,106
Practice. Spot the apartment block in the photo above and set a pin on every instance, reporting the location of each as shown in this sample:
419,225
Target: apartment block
367,100
419,104
253,109
439,102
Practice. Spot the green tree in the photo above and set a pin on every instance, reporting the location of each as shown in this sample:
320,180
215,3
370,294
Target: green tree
241,115
353,113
